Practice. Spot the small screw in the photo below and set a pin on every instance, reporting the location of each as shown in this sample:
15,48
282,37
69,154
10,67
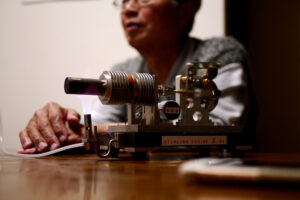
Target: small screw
137,115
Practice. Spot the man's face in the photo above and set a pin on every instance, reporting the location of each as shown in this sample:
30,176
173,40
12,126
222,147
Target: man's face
149,24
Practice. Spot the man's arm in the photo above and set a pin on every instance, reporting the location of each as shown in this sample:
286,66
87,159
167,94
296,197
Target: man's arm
231,81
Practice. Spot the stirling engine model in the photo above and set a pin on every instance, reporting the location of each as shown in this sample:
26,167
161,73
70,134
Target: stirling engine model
155,123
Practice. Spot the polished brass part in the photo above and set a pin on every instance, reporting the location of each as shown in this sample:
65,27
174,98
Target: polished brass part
183,79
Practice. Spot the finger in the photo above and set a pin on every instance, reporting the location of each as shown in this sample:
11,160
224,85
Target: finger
73,117
45,128
28,151
55,114
73,139
25,139
75,134
34,134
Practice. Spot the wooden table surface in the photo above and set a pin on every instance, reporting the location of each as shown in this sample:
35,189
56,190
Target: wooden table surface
85,176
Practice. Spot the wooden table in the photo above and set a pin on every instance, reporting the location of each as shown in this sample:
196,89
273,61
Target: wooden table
85,176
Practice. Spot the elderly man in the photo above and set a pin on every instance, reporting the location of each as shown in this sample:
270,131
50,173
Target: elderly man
158,30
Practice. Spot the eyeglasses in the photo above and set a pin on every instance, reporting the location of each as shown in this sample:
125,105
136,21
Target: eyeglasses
122,3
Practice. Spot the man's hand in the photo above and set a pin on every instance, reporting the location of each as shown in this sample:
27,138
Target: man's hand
50,128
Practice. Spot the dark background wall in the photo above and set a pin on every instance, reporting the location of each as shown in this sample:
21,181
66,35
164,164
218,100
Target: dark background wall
270,31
